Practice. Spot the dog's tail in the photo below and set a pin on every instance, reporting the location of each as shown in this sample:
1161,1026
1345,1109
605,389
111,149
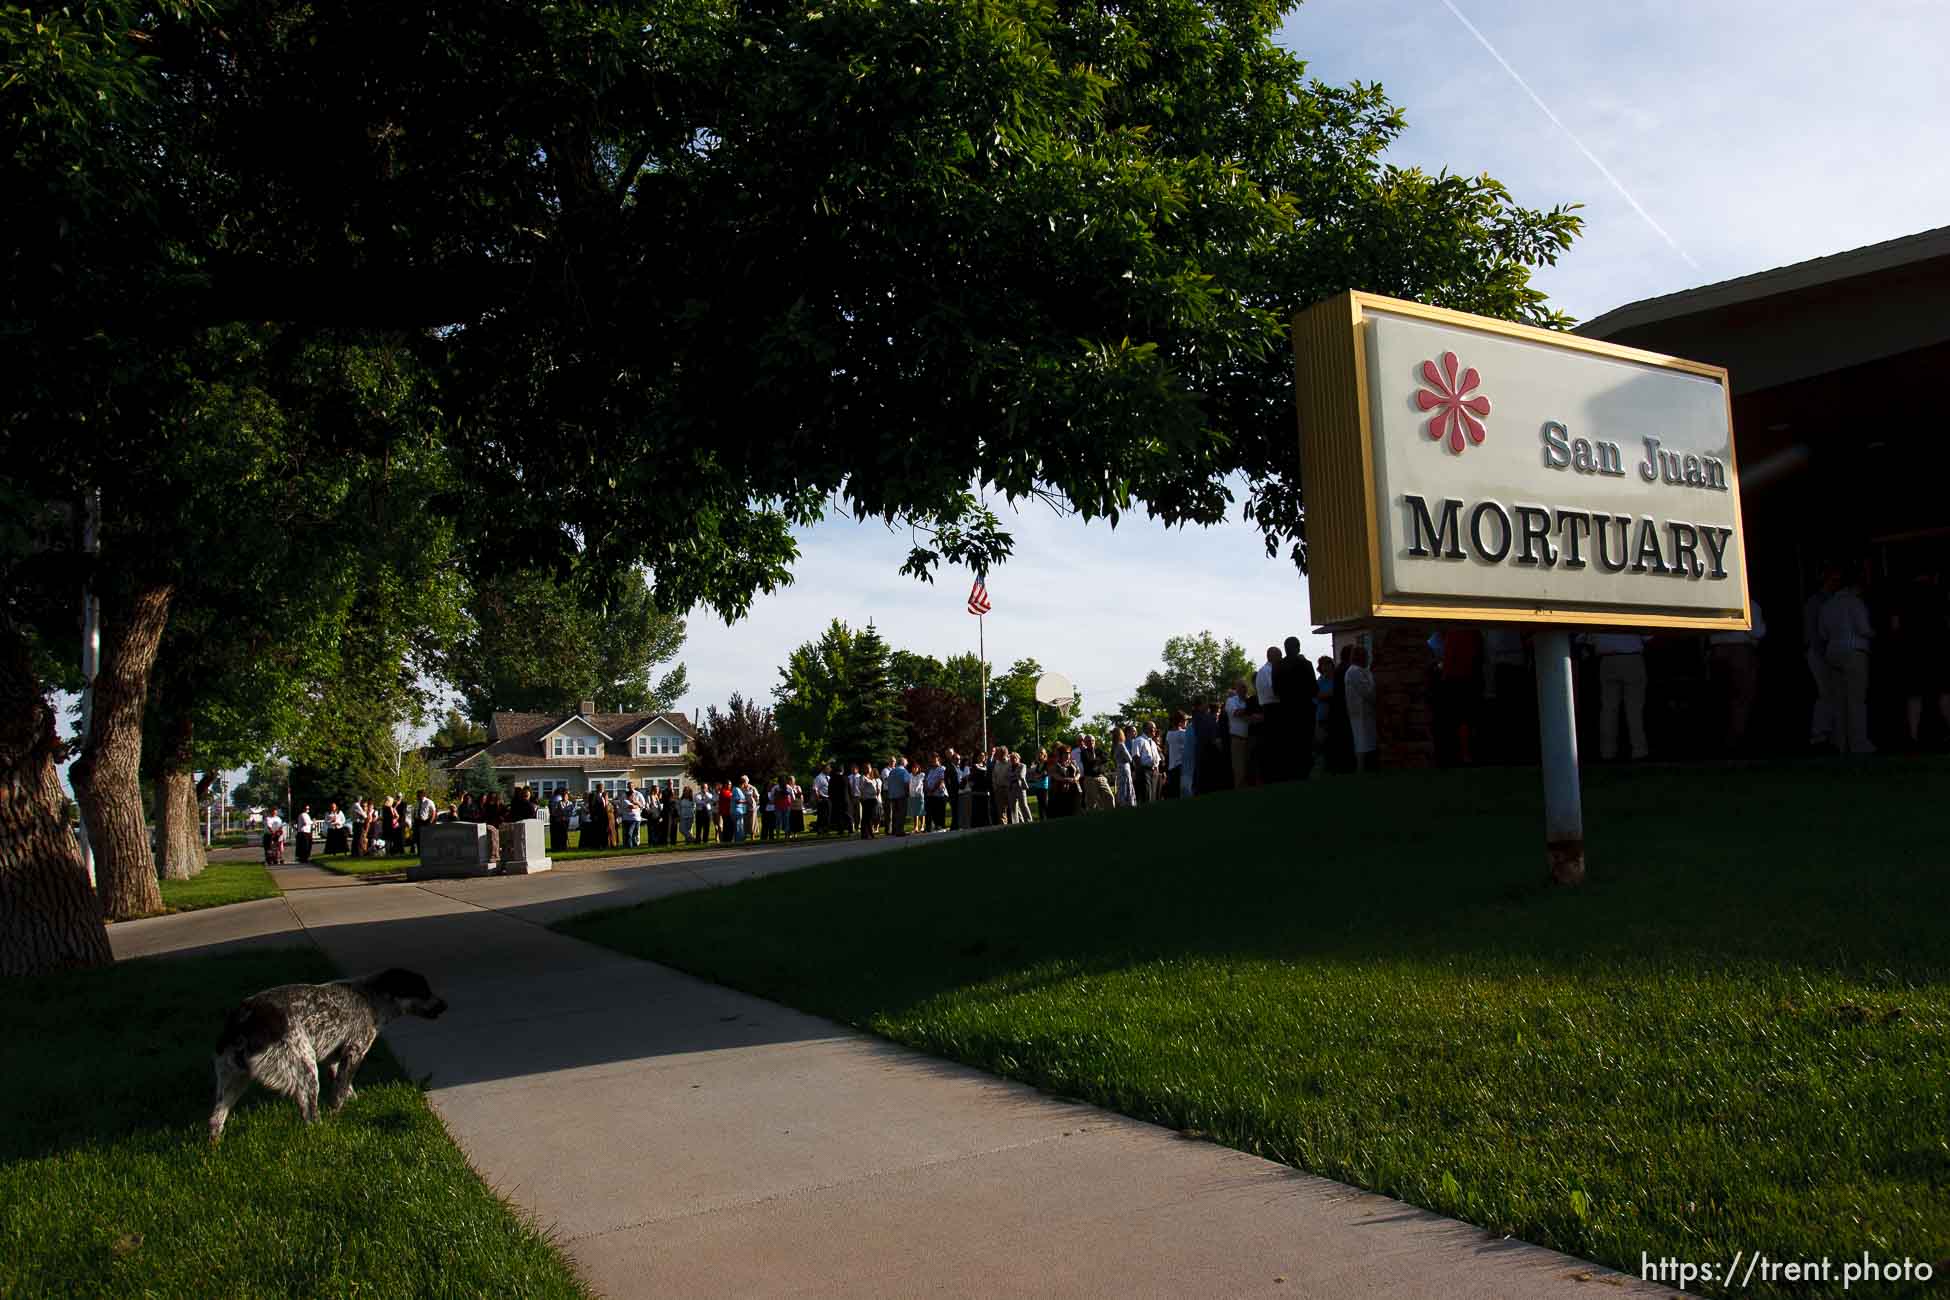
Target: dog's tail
251,1027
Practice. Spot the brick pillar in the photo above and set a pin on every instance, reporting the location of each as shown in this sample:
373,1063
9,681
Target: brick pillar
1404,709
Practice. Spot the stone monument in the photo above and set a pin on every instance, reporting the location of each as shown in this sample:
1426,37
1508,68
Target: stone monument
524,847
452,849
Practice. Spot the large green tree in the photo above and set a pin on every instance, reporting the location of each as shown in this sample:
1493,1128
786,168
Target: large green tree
870,725
690,275
1196,668
536,642
813,695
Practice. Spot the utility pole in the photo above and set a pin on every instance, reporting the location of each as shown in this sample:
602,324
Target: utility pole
91,651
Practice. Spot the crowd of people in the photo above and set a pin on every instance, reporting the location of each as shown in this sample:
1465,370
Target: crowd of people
365,828
1278,725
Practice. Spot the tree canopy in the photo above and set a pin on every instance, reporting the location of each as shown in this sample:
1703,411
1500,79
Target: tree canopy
738,741
606,286
538,643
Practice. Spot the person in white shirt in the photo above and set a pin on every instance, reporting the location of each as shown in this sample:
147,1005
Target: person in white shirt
335,838
1263,679
1144,762
1239,725
1358,682
1845,636
632,818
305,827
1621,683
424,816
868,788
274,839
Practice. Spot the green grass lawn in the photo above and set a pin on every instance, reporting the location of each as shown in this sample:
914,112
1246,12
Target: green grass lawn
108,1186
1736,1036
218,884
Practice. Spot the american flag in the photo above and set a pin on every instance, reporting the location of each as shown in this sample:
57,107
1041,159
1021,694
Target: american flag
978,595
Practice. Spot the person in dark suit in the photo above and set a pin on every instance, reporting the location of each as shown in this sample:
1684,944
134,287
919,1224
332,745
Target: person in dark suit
1294,682
953,765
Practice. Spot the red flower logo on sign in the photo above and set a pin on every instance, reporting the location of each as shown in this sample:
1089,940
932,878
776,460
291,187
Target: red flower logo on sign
1456,412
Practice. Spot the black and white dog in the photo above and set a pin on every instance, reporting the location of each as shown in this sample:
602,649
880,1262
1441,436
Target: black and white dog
283,1036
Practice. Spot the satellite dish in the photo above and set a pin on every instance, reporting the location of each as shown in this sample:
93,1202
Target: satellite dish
1055,689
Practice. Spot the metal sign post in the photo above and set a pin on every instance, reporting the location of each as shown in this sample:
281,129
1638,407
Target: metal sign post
1557,734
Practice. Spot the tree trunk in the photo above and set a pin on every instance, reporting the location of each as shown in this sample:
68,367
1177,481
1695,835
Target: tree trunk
179,840
107,776
49,917
193,795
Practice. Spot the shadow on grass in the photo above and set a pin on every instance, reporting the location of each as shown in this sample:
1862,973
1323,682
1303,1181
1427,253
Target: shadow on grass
1835,868
96,1057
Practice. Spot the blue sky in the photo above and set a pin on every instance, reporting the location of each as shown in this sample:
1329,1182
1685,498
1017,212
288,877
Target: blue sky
1753,134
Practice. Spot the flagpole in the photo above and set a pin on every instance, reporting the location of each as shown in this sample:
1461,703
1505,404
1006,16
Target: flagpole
982,657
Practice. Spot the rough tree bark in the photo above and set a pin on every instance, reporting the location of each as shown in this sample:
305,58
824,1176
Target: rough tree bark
107,776
179,839
49,917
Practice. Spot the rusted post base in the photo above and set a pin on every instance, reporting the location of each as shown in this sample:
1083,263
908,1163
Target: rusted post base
1557,734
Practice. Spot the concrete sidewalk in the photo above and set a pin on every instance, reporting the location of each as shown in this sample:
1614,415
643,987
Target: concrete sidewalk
683,1139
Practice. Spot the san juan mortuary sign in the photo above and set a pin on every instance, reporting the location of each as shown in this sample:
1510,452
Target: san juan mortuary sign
1458,467
1468,469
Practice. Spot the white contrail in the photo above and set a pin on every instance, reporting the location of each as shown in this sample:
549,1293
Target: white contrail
1570,135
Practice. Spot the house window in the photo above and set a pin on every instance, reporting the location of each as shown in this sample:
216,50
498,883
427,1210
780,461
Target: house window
561,747
642,745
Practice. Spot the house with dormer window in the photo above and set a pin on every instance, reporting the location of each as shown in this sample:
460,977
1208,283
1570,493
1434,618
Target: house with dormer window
585,750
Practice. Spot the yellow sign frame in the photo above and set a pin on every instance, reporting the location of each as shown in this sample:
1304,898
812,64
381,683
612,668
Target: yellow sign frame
1337,473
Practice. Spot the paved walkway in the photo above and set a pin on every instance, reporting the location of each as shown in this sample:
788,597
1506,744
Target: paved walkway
683,1139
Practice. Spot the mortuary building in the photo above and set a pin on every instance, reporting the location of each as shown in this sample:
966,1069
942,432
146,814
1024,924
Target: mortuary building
584,750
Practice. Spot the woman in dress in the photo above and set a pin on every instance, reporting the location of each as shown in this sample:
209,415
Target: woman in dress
687,814
1065,783
335,841
1120,754
870,787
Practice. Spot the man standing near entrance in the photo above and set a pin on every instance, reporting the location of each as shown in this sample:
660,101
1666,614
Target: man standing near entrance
1821,725
1845,636
1621,682
1293,680
1736,668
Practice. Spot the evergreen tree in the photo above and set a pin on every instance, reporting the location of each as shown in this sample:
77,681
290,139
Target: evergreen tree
479,777
812,696
871,724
